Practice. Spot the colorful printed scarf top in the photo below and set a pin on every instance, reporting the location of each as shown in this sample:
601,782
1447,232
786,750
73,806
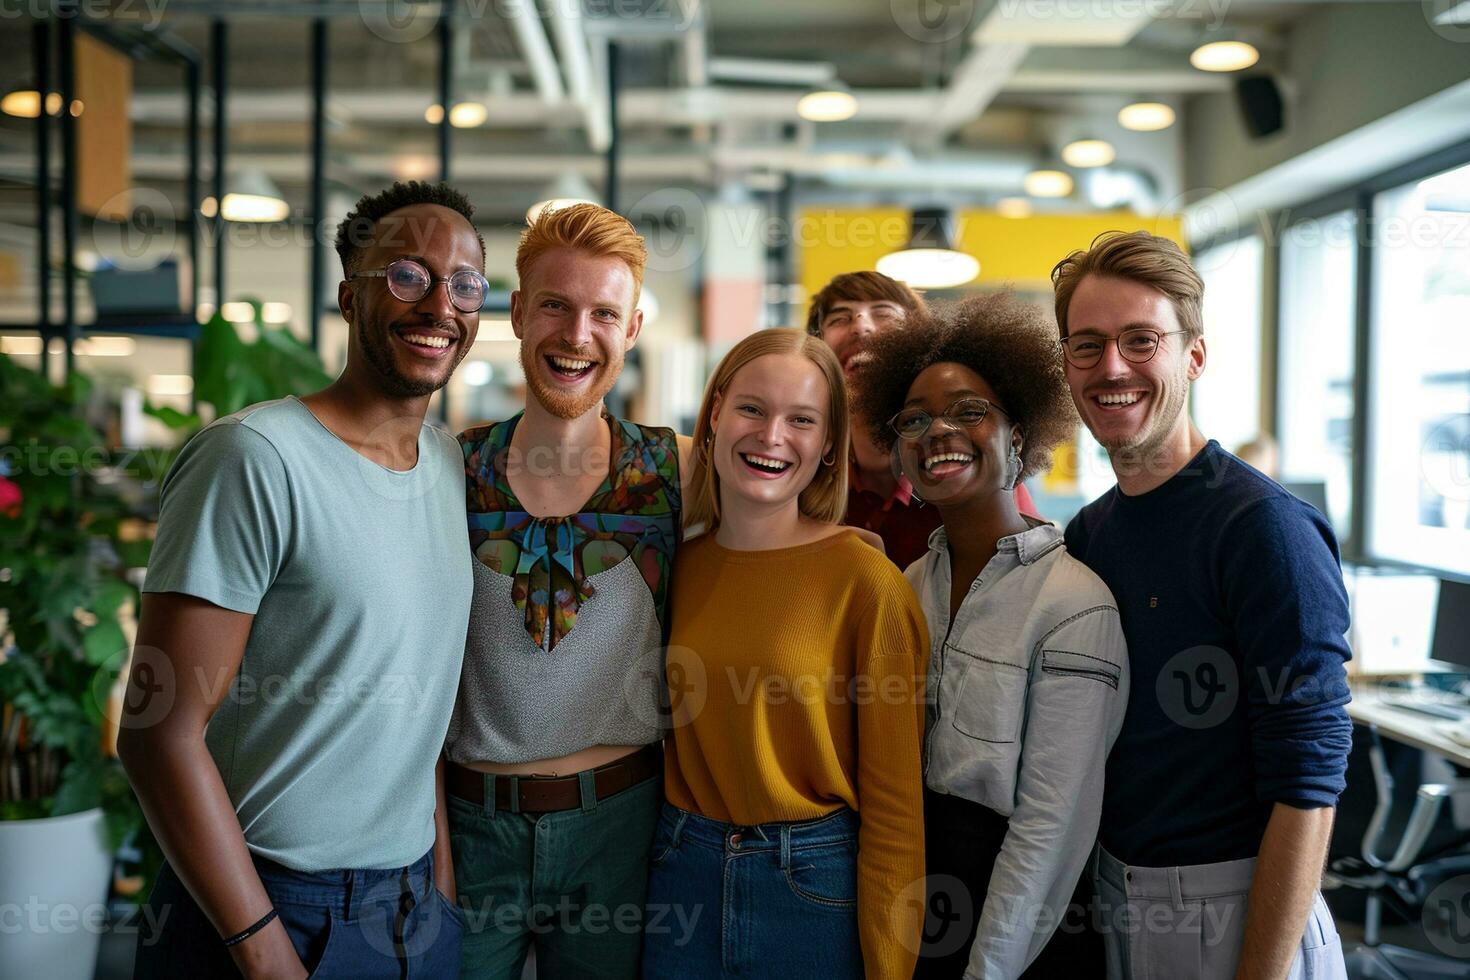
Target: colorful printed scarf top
633,515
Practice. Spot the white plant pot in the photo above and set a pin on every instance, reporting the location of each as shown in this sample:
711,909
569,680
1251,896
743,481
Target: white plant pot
54,877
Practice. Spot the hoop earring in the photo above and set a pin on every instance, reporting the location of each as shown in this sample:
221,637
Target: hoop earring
832,461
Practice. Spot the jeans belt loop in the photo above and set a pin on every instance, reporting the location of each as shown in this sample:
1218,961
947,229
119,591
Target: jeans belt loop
587,787
785,847
352,899
678,828
487,805
515,794
1175,892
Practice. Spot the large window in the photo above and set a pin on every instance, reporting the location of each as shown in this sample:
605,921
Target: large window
1420,468
1227,405
1316,330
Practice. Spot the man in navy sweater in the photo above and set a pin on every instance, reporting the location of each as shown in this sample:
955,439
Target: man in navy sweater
1221,788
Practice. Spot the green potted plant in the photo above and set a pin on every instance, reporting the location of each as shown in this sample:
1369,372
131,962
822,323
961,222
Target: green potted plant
64,801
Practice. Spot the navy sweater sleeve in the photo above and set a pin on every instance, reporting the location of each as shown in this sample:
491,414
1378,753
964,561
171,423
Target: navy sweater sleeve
1281,582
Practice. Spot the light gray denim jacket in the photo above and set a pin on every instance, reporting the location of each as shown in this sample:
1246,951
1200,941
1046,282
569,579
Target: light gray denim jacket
1026,693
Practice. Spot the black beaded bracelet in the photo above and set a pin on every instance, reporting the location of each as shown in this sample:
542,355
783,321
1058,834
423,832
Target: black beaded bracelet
240,937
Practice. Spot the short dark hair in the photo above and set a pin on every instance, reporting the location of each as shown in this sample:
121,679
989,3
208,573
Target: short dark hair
356,230
1007,342
860,287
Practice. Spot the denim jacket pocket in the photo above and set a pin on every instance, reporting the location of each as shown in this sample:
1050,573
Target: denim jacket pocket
1072,664
990,699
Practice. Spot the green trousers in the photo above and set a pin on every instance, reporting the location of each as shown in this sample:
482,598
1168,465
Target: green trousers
572,883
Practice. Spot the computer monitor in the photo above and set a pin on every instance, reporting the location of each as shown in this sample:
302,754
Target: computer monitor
1392,620
1313,492
1452,624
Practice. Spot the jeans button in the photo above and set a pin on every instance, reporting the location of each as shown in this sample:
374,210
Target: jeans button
735,840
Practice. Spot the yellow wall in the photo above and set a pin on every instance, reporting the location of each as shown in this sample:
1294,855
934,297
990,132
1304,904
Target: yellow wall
1018,252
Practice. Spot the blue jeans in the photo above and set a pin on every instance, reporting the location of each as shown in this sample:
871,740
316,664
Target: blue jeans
348,923
571,883
772,900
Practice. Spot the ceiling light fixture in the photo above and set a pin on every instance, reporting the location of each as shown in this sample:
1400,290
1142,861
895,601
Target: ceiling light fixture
829,103
567,189
930,260
1013,207
1224,56
254,197
1146,117
468,115
1088,153
1048,183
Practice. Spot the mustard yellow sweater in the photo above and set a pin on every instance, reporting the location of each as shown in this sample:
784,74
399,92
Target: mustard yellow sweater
797,682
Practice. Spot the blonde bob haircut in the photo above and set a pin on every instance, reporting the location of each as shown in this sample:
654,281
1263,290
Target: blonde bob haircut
586,228
825,498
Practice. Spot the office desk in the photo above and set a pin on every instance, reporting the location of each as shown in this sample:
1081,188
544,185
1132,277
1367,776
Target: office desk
1408,727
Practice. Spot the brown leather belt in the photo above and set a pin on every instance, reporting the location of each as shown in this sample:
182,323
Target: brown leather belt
546,794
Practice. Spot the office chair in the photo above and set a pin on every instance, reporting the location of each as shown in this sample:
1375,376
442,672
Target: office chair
1403,880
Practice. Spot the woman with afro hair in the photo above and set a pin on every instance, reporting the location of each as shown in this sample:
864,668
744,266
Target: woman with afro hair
1028,671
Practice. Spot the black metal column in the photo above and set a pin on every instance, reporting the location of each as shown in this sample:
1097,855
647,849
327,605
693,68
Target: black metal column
446,85
318,177
219,55
66,63
191,185
782,257
1361,525
41,35
610,188
446,93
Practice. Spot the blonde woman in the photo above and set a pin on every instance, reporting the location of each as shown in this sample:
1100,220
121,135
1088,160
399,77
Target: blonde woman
791,842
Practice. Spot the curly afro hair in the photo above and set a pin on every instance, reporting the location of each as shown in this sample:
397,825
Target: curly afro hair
1008,343
356,230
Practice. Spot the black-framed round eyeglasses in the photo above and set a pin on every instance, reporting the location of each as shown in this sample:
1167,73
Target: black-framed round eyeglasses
409,281
966,413
1137,345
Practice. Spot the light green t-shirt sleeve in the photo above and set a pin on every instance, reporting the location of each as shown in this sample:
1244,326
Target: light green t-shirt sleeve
224,525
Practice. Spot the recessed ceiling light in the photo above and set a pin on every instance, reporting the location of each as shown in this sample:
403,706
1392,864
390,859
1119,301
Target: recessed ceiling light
1048,183
468,115
1013,207
1088,153
827,105
1146,117
1224,56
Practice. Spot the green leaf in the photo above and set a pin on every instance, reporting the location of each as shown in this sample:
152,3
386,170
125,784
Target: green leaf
110,598
80,787
172,417
102,641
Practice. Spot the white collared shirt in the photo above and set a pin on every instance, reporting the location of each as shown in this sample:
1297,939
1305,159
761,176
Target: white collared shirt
1027,688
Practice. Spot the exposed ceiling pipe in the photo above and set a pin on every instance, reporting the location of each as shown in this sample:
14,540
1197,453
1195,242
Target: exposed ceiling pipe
525,18
587,88
979,79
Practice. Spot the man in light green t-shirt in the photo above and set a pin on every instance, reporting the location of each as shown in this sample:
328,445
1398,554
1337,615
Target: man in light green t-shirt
302,632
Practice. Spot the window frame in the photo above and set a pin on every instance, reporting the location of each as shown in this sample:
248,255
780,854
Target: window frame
1359,197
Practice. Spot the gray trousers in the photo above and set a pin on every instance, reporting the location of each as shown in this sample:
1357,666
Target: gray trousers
1189,922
